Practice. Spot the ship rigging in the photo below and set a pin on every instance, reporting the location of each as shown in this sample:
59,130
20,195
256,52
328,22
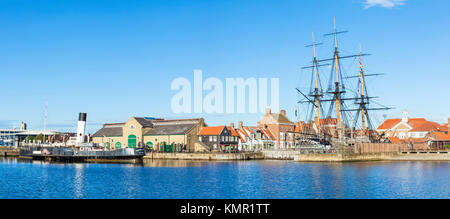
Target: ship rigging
346,119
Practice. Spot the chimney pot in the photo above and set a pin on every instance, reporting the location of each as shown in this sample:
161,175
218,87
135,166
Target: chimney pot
232,125
283,112
241,124
268,111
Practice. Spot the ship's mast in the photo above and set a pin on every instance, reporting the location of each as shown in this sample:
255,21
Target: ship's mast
338,99
317,95
361,75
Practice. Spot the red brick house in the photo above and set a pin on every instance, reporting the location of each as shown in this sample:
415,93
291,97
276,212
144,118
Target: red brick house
280,127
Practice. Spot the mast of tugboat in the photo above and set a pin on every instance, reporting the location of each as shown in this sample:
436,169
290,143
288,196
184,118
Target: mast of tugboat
316,95
338,101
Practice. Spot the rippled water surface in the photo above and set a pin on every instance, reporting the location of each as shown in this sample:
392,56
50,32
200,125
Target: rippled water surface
251,179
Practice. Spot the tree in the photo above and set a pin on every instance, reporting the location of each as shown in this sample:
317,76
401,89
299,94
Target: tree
40,137
30,138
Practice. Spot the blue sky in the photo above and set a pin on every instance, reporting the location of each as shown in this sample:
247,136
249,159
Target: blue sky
115,59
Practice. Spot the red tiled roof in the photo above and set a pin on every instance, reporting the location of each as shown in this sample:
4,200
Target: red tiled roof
216,130
413,140
390,123
269,133
425,127
443,127
442,136
420,124
233,131
241,133
394,139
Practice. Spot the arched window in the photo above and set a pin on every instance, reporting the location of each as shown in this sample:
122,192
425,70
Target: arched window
149,144
106,145
118,145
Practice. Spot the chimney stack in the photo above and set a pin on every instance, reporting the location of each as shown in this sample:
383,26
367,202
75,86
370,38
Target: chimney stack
283,112
81,127
241,124
268,111
232,125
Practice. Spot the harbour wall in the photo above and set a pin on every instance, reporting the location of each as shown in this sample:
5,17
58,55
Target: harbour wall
444,156
9,152
206,156
280,154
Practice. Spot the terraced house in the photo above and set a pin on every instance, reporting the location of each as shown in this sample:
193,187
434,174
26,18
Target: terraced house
157,134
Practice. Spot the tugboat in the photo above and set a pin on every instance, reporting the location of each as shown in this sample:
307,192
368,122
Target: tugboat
81,151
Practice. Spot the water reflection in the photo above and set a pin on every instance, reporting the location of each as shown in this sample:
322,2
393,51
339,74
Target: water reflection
173,163
198,179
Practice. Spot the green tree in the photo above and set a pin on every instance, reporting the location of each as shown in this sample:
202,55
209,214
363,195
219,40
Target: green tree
40,137
30,138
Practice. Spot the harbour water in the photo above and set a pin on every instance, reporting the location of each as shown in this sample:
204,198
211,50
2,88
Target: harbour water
249,179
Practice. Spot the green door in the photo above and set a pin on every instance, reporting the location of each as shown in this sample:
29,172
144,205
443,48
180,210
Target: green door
106,145
132,141
118,145
162,146
168,148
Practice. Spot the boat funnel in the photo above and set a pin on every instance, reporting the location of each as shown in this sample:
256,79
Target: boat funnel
81,127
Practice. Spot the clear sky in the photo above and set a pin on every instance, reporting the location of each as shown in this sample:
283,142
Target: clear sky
115,59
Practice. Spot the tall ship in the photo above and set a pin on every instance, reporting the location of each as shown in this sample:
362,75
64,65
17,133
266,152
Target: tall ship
341,112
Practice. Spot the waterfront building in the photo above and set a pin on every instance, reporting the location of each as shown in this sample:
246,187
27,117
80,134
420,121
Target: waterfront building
440,139
254,138
281,128
154,133
218,138
13,137
407,129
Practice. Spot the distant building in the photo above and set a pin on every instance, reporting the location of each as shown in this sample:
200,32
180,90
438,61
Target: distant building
13,137
281,128
404,129
156,134
218,138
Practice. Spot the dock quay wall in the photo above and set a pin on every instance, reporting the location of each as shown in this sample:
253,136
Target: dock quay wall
436,156
206,156
9,152
280,154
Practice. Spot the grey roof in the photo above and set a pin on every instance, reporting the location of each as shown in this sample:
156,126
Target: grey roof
108,132
170,129
280,118
144,122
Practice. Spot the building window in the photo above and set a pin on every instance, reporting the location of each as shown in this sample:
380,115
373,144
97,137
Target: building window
210,138
200,138
215,138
